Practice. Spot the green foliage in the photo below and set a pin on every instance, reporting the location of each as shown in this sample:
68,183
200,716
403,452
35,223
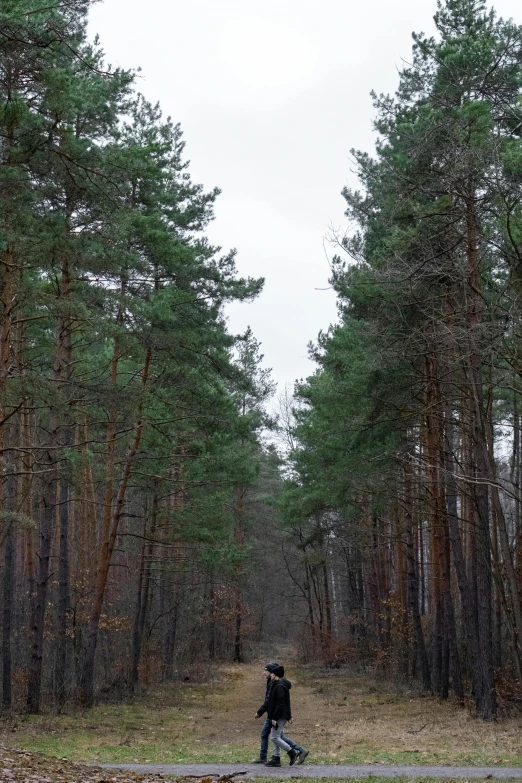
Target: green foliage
448,148
112,300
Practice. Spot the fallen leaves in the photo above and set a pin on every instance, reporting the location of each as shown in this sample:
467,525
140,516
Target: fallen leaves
21,766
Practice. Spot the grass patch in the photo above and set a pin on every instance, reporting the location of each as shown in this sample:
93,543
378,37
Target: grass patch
341,719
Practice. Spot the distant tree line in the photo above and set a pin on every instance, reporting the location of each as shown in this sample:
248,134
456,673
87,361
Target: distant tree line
404,498
130,418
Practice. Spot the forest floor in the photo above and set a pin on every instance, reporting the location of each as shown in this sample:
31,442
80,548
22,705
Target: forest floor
18,766
341,718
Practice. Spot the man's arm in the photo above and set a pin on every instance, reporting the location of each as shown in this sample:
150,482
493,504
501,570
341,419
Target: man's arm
264,707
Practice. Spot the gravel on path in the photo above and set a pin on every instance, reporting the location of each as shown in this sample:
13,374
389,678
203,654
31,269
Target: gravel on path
322,770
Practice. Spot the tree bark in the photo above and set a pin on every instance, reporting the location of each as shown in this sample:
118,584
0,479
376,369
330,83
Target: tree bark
34,686
486,703
413,584
142,599
108,544
8,594
63,373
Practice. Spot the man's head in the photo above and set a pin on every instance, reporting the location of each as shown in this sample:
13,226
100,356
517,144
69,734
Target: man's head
269,668
277,672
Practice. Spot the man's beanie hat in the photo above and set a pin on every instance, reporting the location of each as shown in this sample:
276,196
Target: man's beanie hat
279,671
271,667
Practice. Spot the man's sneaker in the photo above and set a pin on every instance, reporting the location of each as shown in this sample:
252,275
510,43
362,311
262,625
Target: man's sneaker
259,760
275,761
293,754
302,755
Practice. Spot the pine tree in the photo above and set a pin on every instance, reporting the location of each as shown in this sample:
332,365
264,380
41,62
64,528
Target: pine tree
427,288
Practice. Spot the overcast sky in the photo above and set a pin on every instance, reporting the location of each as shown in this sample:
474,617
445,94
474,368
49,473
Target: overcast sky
271,96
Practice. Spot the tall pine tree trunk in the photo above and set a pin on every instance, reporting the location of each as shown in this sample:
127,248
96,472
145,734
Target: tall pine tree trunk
413,582
63,374
60,695
486,701
239,540
467,595
8,596
109,542
142,599
49,500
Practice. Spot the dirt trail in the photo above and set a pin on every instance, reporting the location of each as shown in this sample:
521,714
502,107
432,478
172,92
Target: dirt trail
235,706
343,719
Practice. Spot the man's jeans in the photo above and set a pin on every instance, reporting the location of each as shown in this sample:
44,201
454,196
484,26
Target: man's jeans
265,736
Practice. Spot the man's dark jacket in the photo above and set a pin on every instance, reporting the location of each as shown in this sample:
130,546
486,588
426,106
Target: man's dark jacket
279,700
263,708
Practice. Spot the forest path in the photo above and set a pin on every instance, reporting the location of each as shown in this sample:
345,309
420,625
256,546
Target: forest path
342,718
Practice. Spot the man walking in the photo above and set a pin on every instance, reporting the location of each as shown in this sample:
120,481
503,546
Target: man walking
298,752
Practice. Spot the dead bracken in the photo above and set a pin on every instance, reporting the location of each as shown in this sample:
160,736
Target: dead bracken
26,767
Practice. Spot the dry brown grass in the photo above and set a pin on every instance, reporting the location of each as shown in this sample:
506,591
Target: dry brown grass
368,723
341,718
